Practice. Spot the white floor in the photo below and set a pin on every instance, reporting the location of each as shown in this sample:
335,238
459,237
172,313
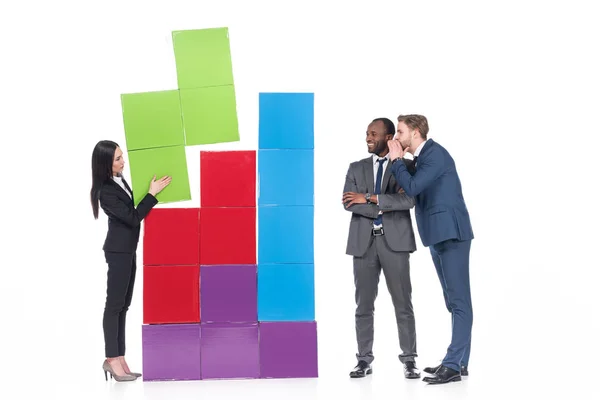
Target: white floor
386,382
67,365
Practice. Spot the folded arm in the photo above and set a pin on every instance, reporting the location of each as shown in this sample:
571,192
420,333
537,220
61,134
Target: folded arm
366,210
395,202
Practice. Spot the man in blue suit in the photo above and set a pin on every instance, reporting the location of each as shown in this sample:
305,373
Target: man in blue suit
444,226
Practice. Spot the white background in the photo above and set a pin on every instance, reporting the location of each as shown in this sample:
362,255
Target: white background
509,88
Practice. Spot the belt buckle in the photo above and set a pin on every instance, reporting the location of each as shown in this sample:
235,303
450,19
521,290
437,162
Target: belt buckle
377,231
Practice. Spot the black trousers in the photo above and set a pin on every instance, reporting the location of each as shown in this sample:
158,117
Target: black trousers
119,291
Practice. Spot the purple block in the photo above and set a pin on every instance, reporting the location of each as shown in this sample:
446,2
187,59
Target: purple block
171,352
228,293
288,350
230,350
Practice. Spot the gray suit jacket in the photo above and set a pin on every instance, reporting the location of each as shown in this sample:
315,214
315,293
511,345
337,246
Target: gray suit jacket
397,222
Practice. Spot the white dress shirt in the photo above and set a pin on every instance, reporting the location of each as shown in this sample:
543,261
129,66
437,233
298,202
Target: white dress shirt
119,181
418,150
375,168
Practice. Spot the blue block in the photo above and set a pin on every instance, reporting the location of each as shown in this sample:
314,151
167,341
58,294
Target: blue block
286,292
286,177
286,120
285,234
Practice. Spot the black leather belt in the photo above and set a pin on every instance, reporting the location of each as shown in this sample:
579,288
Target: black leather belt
377,231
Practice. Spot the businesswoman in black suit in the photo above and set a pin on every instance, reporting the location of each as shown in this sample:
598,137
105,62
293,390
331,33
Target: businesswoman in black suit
116,199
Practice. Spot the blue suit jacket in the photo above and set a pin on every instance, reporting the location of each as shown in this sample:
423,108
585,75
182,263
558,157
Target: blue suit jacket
440,208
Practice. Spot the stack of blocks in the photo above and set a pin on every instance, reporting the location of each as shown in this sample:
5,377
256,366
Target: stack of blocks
228,287
286,290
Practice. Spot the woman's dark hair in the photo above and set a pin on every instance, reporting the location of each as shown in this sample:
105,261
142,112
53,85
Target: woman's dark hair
102,162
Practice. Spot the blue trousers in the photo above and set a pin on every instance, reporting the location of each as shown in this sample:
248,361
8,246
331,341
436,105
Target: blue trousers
451,260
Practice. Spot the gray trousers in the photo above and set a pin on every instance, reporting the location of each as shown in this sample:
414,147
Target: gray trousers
396,269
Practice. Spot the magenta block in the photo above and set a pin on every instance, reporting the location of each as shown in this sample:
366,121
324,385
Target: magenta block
288,349
230,350
228,293
171,352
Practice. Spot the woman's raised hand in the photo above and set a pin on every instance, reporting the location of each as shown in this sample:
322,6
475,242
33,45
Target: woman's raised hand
156,186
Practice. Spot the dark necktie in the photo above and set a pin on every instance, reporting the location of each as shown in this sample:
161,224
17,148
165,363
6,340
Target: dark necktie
412,167
378,185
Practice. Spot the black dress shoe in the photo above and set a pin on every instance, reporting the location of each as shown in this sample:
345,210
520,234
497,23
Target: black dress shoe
361,370
443,375
432,370
411,371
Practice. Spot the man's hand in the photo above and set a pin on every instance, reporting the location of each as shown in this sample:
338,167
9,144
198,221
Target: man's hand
351,198
396,150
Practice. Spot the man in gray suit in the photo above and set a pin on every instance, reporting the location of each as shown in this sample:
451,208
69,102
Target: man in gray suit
381,237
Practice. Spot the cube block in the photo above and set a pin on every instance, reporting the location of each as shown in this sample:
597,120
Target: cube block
288,350
161,161
228,178
152,119
228,293
202,58
286,121
285,234
230,351
286,177
171,294
286,292
171,352
209,115
228,236
172,236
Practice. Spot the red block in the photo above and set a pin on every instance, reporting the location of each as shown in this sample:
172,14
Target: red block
171,294
228,178
228,236
172,237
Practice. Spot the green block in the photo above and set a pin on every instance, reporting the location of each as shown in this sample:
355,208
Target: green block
203,58
144,164
209,115
152,119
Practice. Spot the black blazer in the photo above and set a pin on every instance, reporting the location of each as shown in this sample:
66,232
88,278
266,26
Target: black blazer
124,219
